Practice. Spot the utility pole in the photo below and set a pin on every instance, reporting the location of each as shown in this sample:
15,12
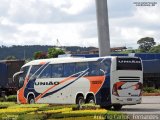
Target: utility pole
58,43
103,27
60,46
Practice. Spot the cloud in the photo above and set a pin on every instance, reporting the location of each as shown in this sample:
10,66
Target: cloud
48,11
6,26
7,31
143,22
43,21
120,8
4,5
73,6
89,30
33,11
73,22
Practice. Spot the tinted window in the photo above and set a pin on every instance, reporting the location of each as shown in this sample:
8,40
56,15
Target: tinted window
129,64
81,66
106,65
69,69
57,70
23,75
94,69
34,69
46,73
25,71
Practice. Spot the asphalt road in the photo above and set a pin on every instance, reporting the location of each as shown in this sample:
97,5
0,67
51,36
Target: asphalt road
148,110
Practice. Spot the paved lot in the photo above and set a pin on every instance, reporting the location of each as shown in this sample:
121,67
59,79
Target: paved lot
150,107
151,99
150,104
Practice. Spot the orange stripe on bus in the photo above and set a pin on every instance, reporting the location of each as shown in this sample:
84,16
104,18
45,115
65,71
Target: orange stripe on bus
118,84
96,83
21,97
42,63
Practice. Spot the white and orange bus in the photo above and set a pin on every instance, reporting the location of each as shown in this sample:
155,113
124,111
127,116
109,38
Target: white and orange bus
106,81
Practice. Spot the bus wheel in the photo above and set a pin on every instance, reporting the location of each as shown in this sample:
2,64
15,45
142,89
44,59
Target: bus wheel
108,107
31,99
80,100
117,107
90,99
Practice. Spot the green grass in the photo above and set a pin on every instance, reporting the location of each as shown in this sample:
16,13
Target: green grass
28,105
11,110
6,104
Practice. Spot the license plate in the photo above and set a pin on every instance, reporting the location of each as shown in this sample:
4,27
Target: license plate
129,99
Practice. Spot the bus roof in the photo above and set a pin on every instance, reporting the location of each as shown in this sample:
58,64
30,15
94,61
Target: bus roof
67,60
63,60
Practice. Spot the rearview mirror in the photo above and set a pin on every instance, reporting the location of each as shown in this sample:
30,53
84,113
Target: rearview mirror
16,74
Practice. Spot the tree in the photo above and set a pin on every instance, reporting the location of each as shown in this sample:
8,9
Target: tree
40,55
54,52
145,44
155,49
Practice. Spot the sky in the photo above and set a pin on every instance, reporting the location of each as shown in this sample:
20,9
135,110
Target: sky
73,22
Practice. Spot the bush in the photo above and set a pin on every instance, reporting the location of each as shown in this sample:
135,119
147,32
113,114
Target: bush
12,98
150,90
45,111
2,99
32,117
6,104
86,107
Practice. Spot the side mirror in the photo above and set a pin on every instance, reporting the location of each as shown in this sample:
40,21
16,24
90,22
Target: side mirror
18,73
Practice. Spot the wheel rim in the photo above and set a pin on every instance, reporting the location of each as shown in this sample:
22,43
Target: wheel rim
91,101
81,101
32,101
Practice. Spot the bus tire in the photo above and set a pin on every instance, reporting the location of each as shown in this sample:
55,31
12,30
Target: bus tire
117,107
31,99
80,100
108,107
90,99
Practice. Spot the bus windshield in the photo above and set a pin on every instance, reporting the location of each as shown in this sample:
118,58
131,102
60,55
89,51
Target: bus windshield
33,70
129,64
23,75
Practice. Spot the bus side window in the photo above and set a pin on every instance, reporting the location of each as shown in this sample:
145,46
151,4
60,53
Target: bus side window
23,75
106,65
25,71
81,66
57,70
46,73
33,70
94,69
69,69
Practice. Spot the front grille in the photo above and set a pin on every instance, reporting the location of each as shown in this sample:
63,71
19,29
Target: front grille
129,79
